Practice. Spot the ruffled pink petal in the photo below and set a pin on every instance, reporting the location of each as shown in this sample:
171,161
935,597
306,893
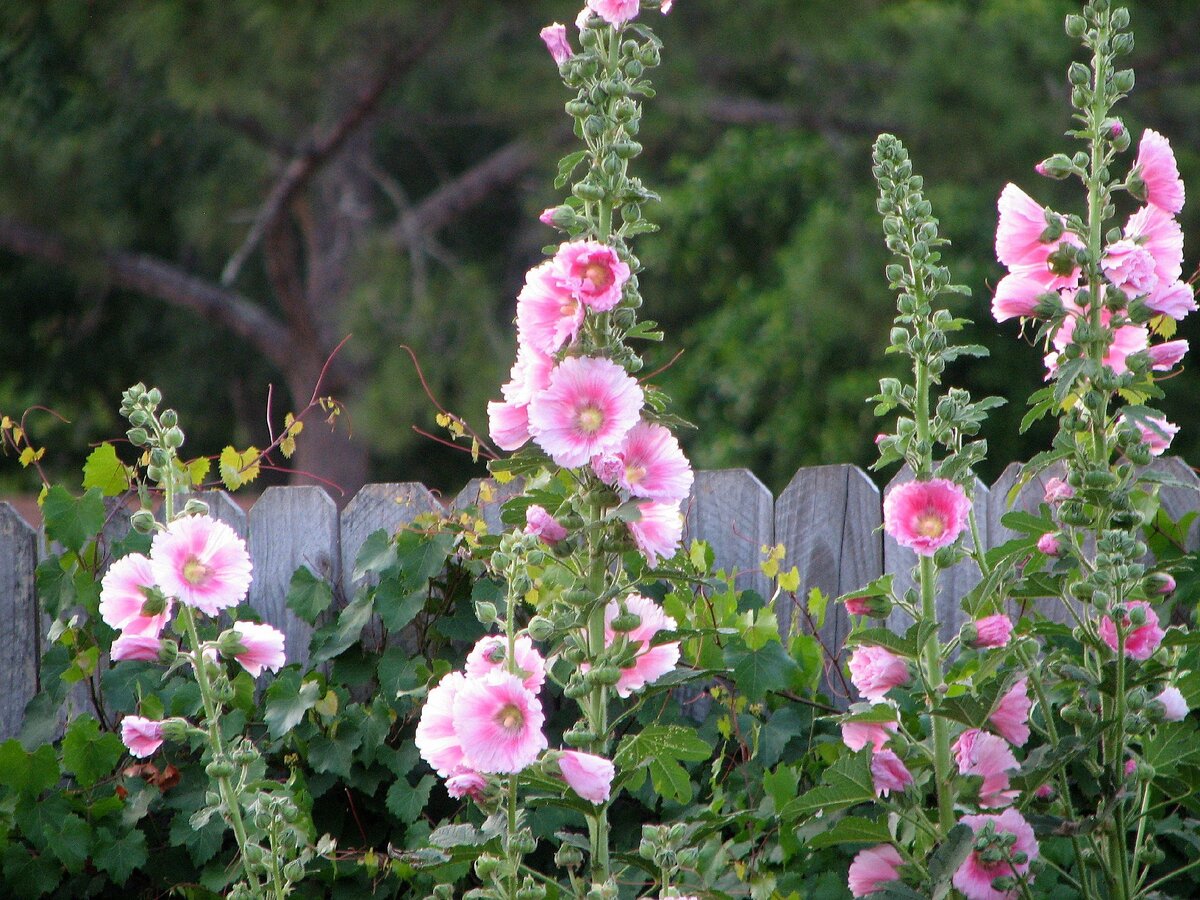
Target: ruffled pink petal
1160,173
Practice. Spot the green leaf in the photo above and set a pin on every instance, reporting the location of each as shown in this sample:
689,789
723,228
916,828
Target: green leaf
448,836
375,555
846,783
567,166
853,830
406,802
103,471
287,700
397,604
421,556
308,596
755,672
119,856
72,842
73,521
659,747
335,637
1174,744
28,773
334,754
201,843
881,637
87,753
26,875
948,857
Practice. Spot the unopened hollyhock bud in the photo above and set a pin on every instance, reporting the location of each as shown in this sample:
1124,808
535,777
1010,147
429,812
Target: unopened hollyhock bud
466,783
1049,544
589,776
141,736
889,773
1167,355
875,607
1160,583
1058,490
545,526
991,631
1045,792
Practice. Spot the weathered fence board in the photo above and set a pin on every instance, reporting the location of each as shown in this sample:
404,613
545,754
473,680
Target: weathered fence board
20,648
733,511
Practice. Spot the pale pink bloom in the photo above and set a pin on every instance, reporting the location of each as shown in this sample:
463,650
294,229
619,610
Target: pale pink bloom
1175,300
1058,490
587,409
529,376
1140,641
608,468
589,776
264,647
1019,230
873,868
490,655
1167,355
555,38
1174,705
889,773
202,563
926,515
508,423
975,876
1158,433
993,631
547,216
123,594
143,647
658,531
549,315
1129,268
592,271
988,756
1011,716
653,465
1127,339
581,20
1159,172
1018,292
651,662
1162,238
544,525
876,670
614,12
1049,544
466,783
140,735
436,739
499,722
666,6
857,735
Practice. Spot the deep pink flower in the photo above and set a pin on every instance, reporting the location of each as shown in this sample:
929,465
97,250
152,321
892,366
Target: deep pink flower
1174,705
1167,355
122,596
889,773
1011,716
873,868
1158,433
659,530
489,655
1175,300
652,465
587,409
1045,792
1130,268
988,756
1019,230
651,662
926,515
1058,490
1049,544
1162,238
592,272
1140,641
436,739
549,315
859,606
1127,339
202,563
1159,172
975,876
993,631
141,736
544,525
857,735
499,722
264,647
589,776
466,783
614,12
875,671
143,647
1018,292
555,38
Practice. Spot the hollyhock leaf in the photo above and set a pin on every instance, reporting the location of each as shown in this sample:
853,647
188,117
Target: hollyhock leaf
308,596
375,555
73,521
28,773
567,166
448,836
853,830
120,856
670,780
332,639
948,857
87,754
846,783
881,637
781,785
27,875
71,843
406,802
103,471
1173,745
398,605
286,701
201,843
673,741
756,672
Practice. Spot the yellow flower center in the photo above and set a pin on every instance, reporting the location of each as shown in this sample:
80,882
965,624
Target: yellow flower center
194,571
930,525
510,717
590,419
634,474
598,275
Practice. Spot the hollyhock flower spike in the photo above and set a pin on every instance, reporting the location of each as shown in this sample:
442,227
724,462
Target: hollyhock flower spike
926,515
1011,716
658,531
975,876
489,655
873,868
202,563
436,740
263,647
857,735
651,662
614,12
1158,170
123,597
889,773
555,38
499,722
544,525
589,776
1140,641
1175,708
141,647
876,670
141,736
592,273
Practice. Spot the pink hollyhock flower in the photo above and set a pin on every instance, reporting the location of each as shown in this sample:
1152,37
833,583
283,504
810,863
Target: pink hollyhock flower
1175,300
142,647
264,647
889,773
587,409
1058,490
499,722
1167,355
1018,292
1130,767
659,530
926,515
666,6
993,631
1129,268
123,594
544,525
1045,792
592,271
1174,705
653,465
202,563
651,662
436,739
1127,339
466,783
1161,237
1011,716
1049,544
141,736
857,735
975,876
549,315
858,606
589,776
508,420
508,423
555,38
1019,230
1140,641
489,655
873,868
1158,433
1159,172
875,671
614,12
989,757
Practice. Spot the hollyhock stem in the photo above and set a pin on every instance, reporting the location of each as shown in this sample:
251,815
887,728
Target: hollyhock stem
598,706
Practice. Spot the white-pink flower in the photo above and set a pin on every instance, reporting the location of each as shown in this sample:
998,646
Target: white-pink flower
436,739
1160,236
1167,355
141,736
1058,490
1130,268
1175,300
499,723
123,595
1157,432
614,12
876,670
658,530
872,868
652,465
592,272
1049,544
141,647
263,647
466,783
589,776
926,515
1022,221
202,563
589,406
1011,716
1159,172
651,662
490,654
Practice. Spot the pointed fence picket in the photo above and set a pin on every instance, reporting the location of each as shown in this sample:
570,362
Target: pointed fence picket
828,518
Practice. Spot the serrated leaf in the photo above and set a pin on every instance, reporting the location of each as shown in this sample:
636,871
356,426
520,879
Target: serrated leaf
567,166
103,471
73,521
88,754
72,843
308,596
375,555
26,875
238,469
198,469
286,701
28,773
948,857
119,856
334,638
848,782
406,802
448,836
291,428
852,830
756,672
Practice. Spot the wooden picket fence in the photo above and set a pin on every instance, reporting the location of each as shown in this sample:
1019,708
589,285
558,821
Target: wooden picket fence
828,519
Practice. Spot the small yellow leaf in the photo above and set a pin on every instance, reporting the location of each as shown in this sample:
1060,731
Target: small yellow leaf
327,705
198,470
487,493
503,477
42,494
27,456
238,469
18,433
6,423
790,581
443,420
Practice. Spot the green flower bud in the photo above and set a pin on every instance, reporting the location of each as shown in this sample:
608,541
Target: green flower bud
486,865
173,438
1122,81
294,871
485,612
137,436
1122,44
576,689
568,857
1057,166
625,622
540,628
220,768
142,521
524,842
603,675
586,190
